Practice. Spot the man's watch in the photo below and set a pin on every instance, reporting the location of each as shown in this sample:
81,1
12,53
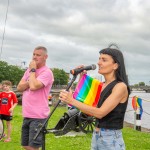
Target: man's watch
33,70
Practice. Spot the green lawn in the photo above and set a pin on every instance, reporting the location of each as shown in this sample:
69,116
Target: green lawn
134,140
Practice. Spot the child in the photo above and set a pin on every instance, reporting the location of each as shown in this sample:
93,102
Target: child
8,102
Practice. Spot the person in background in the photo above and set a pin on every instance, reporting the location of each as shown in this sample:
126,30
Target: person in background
50,99
35,85
7,104
112,104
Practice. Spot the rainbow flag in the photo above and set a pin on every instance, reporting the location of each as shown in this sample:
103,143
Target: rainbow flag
137,103
88,90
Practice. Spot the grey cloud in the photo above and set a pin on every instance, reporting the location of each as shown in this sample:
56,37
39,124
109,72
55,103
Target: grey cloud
75,31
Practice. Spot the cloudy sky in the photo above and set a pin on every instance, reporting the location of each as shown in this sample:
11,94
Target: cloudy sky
75,30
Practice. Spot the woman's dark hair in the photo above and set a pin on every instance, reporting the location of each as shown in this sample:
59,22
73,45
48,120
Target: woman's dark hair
117,56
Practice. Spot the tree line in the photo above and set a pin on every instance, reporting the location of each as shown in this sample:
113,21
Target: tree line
14,74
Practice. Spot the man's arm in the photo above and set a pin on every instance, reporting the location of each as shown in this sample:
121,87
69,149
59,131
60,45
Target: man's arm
34,84
23,85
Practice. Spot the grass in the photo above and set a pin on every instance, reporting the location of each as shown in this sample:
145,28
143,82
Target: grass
134,140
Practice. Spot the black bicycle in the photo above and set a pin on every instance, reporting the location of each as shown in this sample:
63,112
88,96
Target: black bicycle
1,129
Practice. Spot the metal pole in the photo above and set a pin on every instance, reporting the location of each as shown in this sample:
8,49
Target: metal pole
138,120
42,128
134,120
4,31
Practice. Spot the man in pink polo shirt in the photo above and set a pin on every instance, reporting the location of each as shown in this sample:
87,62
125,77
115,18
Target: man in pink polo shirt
35,84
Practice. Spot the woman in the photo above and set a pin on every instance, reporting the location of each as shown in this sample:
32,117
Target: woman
112,105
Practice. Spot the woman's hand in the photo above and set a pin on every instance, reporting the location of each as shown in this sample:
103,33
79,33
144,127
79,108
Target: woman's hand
83,72
66,96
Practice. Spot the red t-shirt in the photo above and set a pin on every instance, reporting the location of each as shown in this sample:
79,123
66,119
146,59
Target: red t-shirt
7,99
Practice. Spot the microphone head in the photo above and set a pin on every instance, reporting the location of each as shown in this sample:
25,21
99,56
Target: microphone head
93,66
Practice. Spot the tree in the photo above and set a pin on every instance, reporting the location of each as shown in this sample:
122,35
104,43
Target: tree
136,85
60,77
10,72
141,84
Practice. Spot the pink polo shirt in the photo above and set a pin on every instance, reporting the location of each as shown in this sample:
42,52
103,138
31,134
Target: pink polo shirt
35,103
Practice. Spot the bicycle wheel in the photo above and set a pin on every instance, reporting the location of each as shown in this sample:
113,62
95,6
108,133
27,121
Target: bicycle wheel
1,129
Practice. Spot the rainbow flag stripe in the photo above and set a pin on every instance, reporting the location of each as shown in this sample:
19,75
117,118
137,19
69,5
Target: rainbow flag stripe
88,90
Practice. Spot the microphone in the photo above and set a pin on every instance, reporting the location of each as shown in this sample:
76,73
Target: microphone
79,70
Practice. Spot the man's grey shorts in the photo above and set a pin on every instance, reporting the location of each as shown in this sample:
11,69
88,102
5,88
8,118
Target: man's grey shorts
30,127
